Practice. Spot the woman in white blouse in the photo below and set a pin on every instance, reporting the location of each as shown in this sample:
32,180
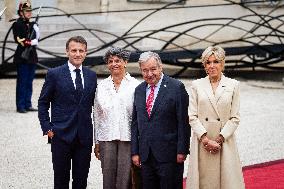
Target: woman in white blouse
112,116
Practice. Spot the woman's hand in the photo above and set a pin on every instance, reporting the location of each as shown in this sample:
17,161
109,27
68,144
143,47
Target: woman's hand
220,139
97,151
210,146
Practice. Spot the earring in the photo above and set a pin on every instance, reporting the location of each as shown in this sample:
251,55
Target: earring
124,66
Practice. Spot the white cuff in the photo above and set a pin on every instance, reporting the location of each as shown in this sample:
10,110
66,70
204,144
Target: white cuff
36,28
34,42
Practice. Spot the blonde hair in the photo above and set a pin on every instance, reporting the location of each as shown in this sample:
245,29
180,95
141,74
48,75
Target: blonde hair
218,52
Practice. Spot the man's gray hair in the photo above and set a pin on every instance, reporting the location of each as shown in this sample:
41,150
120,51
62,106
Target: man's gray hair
145,56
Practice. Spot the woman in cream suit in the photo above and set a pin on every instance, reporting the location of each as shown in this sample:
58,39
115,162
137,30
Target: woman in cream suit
214,117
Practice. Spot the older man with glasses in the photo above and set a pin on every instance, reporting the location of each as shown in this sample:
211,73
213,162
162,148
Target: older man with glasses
160,129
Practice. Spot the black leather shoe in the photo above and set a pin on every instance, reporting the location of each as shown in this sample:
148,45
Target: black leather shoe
22,111
31,109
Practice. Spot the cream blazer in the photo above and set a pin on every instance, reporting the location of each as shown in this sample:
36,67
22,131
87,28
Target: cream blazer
217,114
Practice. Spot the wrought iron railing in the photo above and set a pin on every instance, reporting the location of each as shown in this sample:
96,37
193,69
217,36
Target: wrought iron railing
259,44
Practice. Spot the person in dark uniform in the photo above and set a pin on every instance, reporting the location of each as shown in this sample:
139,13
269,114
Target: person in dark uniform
22,29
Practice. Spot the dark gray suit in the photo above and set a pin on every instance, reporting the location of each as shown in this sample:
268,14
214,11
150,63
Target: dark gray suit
163,135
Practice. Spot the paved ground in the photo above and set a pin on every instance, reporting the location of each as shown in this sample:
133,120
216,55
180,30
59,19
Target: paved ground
25,158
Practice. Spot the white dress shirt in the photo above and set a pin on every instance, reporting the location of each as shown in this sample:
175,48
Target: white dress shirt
73,73
113,109
156,90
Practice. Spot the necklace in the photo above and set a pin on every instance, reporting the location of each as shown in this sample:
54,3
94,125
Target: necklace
215,81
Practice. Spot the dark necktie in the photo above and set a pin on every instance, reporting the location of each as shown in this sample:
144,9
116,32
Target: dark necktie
79,85
150,99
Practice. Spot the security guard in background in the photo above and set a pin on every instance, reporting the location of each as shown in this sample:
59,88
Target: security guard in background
22,29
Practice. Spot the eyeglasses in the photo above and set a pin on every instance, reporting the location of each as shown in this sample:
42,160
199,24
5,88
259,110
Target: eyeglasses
147,71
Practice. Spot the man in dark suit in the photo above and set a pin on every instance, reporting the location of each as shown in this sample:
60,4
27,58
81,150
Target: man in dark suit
160,130
70,91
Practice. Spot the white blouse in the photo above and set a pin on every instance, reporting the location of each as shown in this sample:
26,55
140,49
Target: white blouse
113,109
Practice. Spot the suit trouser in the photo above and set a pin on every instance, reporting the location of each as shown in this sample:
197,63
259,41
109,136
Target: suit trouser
24,88
116,164
62,154
136,179
163,175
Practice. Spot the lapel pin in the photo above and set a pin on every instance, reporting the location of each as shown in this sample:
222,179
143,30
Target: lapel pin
165,85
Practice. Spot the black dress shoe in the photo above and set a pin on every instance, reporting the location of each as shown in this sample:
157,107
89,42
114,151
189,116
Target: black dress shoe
31,109
22,111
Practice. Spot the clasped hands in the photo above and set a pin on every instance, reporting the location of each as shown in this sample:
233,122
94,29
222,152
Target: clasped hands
212,146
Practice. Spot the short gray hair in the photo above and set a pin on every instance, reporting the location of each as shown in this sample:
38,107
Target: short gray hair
145,56
116,51
216,50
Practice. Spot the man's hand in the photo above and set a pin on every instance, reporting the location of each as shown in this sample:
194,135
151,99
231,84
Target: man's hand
50,134
97,151
181,158
136,160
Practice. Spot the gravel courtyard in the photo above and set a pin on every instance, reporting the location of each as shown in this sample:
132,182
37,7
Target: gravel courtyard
26,158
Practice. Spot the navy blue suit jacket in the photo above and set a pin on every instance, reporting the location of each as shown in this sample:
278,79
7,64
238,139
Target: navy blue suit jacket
69,116
167,130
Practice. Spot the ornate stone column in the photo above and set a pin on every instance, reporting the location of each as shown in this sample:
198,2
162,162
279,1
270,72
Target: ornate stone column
104,5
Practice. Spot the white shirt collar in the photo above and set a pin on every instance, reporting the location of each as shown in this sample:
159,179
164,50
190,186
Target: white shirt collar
72,67
127,77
